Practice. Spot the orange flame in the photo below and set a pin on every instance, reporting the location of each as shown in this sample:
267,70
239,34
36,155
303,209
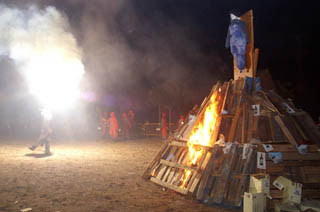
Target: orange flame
201,135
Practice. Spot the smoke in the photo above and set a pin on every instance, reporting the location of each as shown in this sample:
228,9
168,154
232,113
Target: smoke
44,51
132,48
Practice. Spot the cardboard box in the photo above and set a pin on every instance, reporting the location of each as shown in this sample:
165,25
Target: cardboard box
292,193
281,182
259,183
286,208
254,202
291,190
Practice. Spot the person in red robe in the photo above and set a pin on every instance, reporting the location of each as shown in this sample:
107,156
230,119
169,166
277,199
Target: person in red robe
114,127
163,126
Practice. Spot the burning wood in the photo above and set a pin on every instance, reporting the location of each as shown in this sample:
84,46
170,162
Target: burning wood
218,174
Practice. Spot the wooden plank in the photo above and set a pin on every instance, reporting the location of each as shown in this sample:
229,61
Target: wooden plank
175,170
234,124
292,156
225,97
271,127
255,65
314,194
205,177
196,174
182,144
199,175
231,189
294,163
287,148
164,168
157,157
254,126
310,128
312,178
250,127
312,169
177,165
298,128
179,175
243,127
285,130
167,185
216,131
170,169
243,182
216,193
302,174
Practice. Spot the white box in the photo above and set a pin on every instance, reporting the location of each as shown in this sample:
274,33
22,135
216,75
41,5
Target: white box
254,202
281,182
291,190
259,183
292,193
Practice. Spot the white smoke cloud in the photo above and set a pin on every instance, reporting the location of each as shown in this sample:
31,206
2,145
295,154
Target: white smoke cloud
44,51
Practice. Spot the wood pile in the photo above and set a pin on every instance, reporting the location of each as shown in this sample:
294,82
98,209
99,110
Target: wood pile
255,122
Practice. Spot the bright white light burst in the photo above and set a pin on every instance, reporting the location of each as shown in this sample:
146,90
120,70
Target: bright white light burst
45,52
55,79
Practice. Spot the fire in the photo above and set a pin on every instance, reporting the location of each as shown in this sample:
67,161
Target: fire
201,135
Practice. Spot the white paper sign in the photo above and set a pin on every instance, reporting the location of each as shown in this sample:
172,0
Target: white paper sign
267,147
261,160
288,108
246,151
256,110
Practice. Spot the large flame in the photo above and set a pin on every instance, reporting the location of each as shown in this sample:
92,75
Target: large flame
201,135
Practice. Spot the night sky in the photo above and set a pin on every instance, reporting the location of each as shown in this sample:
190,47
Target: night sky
140,53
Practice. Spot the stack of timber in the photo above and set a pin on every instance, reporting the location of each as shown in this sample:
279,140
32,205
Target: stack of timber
171,167
220,176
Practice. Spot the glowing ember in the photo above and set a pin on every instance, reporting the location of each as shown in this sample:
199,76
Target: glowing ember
201,135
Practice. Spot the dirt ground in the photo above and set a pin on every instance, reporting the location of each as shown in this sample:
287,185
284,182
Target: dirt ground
85,176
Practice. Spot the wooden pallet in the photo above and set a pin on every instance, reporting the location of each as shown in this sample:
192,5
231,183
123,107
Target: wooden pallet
304,169
170,170
226,177
223,178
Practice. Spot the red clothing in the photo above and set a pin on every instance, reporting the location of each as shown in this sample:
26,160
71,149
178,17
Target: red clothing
113,131
163,126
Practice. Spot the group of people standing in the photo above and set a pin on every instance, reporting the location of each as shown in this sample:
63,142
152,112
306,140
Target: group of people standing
126,127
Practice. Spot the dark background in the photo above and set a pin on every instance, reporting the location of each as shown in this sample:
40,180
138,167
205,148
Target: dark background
141,53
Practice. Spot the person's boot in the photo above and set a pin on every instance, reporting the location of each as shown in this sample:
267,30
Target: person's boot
32,148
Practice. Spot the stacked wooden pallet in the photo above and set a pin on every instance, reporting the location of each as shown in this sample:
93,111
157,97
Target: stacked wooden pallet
262,118
226,177
304,169
171,166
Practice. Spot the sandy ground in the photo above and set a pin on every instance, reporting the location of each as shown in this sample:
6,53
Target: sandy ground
85,176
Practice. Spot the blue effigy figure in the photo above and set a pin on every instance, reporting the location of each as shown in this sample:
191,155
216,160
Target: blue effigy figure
237,40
